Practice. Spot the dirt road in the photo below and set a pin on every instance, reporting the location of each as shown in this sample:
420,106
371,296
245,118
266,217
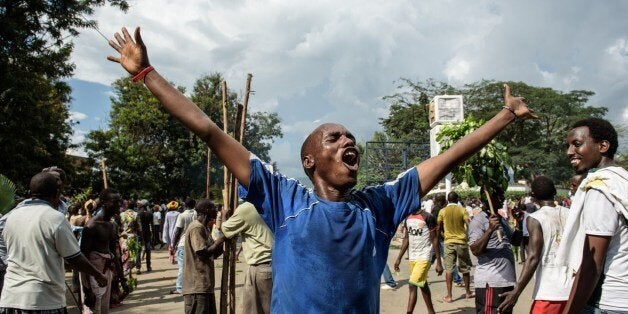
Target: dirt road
151,295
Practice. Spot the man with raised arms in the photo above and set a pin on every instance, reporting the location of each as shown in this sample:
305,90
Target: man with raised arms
333,240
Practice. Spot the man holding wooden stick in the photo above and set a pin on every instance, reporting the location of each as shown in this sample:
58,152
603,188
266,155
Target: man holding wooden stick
331,243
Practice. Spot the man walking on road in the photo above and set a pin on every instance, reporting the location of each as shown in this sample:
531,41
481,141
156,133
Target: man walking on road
257,245
420,238
453,220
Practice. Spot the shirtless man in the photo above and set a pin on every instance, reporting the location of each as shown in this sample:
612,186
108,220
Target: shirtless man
357,224
97,243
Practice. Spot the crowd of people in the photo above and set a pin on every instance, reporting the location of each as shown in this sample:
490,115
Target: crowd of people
324,249
105,238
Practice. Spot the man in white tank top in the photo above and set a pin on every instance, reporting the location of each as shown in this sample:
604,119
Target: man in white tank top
545,227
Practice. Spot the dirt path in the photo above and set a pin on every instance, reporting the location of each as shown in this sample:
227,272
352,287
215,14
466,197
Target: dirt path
151,295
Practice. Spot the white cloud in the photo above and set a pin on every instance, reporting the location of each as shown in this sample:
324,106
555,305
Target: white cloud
77,138
333,61
457,70
620,48
77,116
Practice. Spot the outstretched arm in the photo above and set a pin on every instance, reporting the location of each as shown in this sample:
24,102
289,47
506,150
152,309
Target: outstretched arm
434,169
134,58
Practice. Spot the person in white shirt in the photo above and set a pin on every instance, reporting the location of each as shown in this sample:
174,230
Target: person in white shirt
157,226
38,240
595,241
545,227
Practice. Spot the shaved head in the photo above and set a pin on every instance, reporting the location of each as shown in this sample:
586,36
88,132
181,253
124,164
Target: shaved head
45,185
308,146
312,143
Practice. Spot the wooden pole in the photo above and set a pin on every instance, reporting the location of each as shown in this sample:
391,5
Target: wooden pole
104,173
490,205
208,179
239,135
224,280
245,108
230,201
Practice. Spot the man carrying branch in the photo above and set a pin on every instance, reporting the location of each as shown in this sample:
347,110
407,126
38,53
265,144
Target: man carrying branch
331,241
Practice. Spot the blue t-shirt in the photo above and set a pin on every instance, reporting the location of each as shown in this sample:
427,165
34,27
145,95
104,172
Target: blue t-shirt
328,256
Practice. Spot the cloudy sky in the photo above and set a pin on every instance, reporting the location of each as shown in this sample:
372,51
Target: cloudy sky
332,61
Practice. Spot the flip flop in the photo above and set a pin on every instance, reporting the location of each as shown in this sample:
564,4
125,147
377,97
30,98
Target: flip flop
471,296
447,300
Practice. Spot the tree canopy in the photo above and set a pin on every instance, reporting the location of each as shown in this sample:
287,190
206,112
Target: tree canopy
35,46
535,147
150,154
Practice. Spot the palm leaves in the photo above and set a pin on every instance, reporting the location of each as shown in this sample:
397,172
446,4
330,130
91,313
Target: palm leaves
7,194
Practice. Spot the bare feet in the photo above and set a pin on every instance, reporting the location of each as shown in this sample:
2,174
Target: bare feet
447,299
470,295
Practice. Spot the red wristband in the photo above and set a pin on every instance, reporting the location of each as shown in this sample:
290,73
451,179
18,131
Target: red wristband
143,73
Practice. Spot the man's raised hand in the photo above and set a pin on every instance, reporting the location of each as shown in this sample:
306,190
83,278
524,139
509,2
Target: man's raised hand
133,55
517,104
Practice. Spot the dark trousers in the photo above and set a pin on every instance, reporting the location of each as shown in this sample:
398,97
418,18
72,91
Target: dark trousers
138,259
156,234
487,299
199,303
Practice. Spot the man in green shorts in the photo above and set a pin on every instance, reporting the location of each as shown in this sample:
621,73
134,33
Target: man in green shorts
452,221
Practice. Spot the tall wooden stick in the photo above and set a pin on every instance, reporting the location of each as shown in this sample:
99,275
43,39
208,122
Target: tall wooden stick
245,107
104,172
490,205
224,280
230,200
208,179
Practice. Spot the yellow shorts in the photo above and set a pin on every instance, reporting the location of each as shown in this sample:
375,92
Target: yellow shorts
418,272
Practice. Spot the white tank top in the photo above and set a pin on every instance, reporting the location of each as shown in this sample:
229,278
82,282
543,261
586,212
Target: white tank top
552,220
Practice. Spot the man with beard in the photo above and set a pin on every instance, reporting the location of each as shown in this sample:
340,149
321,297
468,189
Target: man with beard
337,235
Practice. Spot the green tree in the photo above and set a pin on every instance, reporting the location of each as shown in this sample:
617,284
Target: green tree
35,47
535,147
150,154
408,119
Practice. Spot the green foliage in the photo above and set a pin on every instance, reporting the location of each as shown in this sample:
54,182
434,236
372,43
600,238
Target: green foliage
408,119
466,193
622,160
35,50
83,196
134,248
131,283
488,168
7,194
535,147
150,154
